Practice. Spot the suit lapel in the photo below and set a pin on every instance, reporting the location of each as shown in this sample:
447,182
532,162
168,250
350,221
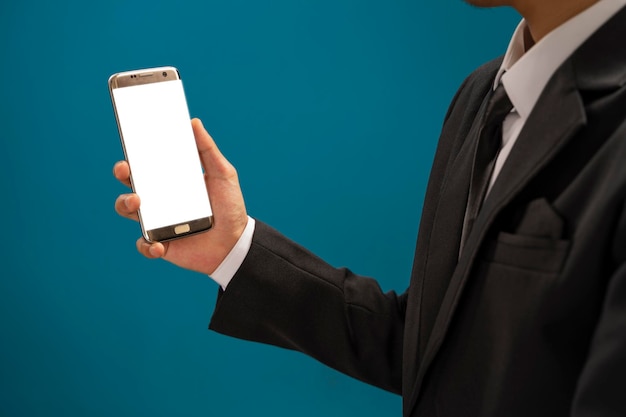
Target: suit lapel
443,250
442,217
544,135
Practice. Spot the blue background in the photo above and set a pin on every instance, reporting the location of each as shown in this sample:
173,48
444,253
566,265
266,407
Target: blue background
330,110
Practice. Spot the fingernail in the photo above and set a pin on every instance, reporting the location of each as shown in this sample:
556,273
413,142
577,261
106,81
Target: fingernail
126,202
153,251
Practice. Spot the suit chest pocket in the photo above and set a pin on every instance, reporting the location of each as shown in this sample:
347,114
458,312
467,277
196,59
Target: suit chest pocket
527,252
536,243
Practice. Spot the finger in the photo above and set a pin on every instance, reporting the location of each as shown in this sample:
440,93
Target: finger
121,171
126,205
213,161
150,250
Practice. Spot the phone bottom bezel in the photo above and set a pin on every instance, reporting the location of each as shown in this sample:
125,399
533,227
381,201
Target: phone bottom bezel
164,234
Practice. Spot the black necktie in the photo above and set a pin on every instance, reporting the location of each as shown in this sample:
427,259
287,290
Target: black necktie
485,154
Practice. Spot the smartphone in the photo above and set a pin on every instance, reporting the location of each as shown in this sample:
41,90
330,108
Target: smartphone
158,142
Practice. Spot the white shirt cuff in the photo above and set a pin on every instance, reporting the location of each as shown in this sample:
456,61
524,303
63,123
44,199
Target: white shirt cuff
229,266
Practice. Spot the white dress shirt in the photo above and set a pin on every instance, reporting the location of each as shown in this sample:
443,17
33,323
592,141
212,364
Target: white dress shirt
524,74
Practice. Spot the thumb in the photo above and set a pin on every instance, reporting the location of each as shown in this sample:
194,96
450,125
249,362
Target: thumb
212,159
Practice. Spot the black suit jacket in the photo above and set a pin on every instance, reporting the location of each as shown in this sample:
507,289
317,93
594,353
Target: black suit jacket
531,319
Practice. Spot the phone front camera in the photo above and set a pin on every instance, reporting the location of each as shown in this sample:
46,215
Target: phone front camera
164,74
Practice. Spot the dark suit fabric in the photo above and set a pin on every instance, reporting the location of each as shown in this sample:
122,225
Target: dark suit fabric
530,320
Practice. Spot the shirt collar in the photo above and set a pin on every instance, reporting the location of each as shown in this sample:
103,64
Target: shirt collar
524,74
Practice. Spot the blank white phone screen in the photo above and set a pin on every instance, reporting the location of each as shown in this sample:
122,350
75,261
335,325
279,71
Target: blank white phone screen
162,153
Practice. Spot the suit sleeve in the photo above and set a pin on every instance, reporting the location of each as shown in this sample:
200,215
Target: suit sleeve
285,296
602,384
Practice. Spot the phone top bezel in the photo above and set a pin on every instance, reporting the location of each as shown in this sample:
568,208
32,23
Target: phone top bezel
143,76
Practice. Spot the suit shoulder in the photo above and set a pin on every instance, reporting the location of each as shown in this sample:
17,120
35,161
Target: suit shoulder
475,85
486,72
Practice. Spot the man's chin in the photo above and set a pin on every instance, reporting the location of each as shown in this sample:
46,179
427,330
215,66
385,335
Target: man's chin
488,3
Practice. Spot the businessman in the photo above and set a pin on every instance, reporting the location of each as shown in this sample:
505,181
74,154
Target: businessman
517,300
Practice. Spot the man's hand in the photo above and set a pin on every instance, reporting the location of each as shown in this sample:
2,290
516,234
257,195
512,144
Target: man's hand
205,251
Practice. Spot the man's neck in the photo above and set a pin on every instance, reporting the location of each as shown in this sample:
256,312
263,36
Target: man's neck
543,16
